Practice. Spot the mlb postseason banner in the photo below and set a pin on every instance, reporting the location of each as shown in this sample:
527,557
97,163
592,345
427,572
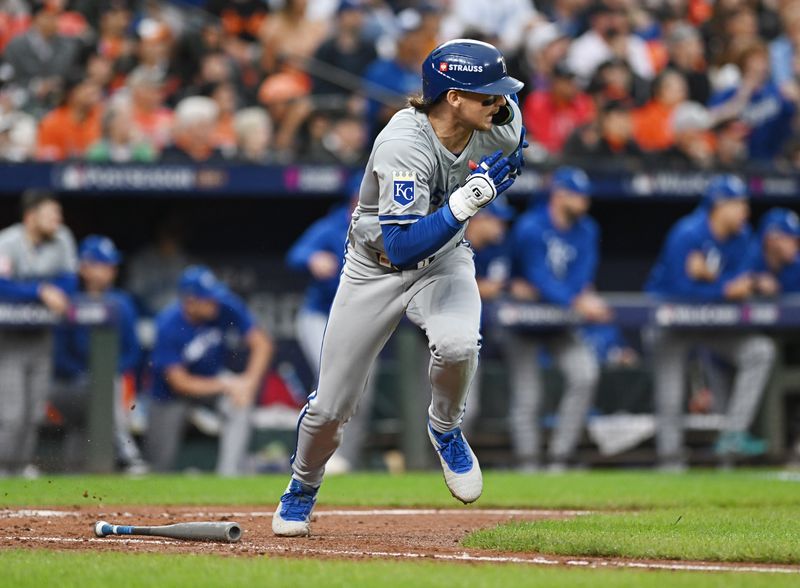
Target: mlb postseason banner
328,180
634,311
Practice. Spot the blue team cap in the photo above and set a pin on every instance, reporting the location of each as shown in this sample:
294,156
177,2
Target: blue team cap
780,220
573,179
724,187
99,249
198,281
500,208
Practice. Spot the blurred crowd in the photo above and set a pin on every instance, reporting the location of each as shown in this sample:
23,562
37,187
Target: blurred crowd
679,83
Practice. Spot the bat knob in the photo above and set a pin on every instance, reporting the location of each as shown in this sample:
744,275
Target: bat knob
102,528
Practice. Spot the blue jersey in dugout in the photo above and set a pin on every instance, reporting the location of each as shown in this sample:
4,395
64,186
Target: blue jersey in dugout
789,275
200,348
728,258
327,234
493,262
560,264
71,342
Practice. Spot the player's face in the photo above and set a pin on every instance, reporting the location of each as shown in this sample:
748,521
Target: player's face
47,218
200,309
573,204
785,247
98,277
475,110
735,213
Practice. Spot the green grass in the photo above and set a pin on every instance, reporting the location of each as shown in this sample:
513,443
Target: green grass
714,534
590,490
86,570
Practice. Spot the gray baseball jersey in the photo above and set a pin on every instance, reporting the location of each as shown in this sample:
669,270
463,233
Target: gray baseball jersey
21,260
409,175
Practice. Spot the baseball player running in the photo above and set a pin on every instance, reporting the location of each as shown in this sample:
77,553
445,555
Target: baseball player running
704,259
406,255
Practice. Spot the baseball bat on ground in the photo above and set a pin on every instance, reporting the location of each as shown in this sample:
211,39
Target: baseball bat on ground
230,532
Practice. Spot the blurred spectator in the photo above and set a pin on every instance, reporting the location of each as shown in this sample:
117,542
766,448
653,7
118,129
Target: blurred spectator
253,129
17,136
652,130
552,115
69,130
704,259
115,41
241,20
193,337
37,264
610,138
154,271
614,81
731,145
41,56
227,100
196,119
608,36
346,51
151,120
693,143
774,254
289,35
555,250
508,21
686,55
759,103
284,94
340,139
389,82
99,260
100,70
547,46
154,52
119,143
783,51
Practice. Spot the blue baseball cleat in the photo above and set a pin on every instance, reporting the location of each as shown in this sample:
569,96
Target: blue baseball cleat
293,515
462,473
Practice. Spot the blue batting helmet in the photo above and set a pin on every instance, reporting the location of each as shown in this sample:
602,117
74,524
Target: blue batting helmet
724,187
466,64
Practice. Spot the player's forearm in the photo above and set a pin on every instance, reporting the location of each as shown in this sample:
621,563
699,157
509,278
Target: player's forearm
261,351
14,291
406,245
182,382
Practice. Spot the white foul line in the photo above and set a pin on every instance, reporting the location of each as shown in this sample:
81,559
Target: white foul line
461,557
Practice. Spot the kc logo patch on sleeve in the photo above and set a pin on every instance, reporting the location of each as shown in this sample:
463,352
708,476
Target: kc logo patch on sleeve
403,187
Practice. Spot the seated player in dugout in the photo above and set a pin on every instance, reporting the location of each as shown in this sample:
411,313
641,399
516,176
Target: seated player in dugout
704,260
99,260
555,249
193,337
774,254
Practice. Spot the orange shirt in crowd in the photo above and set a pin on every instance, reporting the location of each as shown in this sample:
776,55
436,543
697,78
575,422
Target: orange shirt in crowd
62,136
652,126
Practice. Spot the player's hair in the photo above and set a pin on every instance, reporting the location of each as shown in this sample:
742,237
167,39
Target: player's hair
418,103
33,198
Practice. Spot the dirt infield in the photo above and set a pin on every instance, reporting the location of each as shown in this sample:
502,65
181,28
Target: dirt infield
337,533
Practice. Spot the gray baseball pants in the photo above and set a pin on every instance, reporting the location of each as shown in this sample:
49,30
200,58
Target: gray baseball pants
441,298
310,332
25,374
753,356
167,424
580,369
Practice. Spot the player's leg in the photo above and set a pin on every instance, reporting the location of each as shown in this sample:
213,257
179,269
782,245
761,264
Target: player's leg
669,367
753,356
525,381
12,403
578,365
367,307
126,446
310,329
446,304
472,408
234,437
39,374
166,424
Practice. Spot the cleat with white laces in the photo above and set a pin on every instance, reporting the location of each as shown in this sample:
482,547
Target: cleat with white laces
462,473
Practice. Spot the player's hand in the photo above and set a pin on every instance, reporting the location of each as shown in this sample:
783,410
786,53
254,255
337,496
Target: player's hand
523,290
240,389
489,178
739,288
592,308
697,268
517,158
323,265
767,285
54,299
